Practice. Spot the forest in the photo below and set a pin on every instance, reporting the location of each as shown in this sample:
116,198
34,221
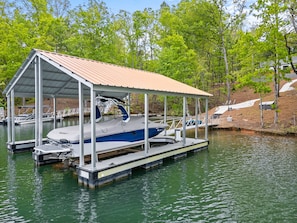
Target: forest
208,44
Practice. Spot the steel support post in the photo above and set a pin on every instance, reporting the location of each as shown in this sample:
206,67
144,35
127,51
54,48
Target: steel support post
81,124
146,133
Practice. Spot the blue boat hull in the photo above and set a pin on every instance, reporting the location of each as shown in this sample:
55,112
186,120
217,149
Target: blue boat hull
127,136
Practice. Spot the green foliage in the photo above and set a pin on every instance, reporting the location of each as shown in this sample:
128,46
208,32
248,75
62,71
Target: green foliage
197,42
259,80
2,100
176,60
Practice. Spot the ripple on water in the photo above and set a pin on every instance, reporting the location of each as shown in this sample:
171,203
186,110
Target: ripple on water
240,178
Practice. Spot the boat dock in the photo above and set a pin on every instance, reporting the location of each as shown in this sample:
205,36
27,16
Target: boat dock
113,169
22,146
49,153
50,75
174,129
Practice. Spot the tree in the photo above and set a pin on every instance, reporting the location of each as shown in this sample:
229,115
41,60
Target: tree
291,34
14,29
139,31
208,28
270,28
176,60
26,25
290,41
59,8
258,80
291,8
227,23
196,24
252,72
124,21
93,33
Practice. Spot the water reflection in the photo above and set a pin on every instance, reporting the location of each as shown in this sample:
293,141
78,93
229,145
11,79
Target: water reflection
9,210
37,195
240,178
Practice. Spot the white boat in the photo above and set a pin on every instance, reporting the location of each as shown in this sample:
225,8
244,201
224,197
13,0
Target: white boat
112,130
125,129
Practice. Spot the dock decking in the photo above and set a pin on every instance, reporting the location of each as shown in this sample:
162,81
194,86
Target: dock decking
52,153
112,169
22,146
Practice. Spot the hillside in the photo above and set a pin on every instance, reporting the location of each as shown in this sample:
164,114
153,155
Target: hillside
244,118
249,118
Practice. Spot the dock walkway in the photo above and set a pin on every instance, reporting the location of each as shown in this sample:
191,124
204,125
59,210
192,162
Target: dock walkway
112,169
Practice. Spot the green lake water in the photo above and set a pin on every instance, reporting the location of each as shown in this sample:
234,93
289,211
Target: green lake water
240,178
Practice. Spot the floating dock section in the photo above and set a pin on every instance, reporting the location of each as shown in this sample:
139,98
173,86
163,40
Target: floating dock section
113,169
49,153
22,146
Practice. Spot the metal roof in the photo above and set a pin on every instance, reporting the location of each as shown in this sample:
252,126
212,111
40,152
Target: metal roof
62,73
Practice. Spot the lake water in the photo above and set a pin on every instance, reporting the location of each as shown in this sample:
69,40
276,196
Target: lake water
240,178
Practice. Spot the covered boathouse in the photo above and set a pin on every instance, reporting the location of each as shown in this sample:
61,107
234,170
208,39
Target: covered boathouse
52,75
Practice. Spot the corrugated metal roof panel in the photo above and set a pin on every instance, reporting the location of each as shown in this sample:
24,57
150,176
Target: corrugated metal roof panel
61,74
105,74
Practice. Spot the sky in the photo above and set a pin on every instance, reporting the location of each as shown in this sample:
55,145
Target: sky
129,5
133,5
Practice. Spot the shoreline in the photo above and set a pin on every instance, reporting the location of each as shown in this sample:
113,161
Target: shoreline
272,132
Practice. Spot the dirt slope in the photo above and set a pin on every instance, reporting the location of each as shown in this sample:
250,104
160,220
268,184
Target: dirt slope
246,118
249,118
